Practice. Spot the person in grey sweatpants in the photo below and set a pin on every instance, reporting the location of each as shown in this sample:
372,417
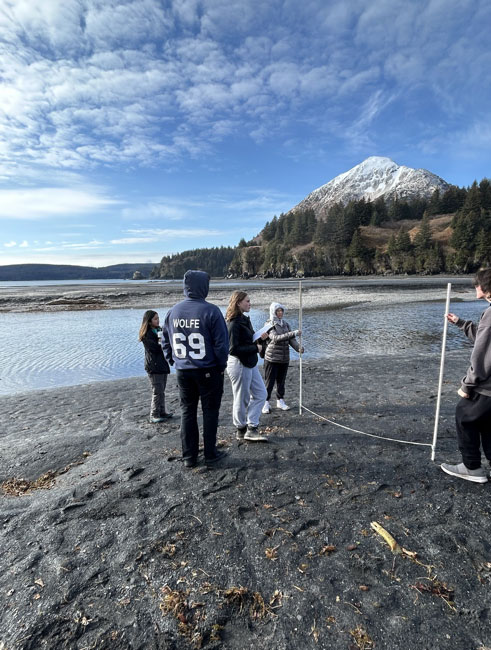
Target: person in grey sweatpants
248,388
473,412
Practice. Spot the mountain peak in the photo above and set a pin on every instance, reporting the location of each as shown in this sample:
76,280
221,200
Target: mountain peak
376,176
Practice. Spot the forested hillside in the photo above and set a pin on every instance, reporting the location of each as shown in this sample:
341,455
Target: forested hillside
215,261
449,232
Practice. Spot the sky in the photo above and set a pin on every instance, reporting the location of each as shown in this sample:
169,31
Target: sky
134,129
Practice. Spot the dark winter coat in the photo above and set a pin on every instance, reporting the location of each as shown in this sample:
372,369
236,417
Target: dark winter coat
240,333
155,363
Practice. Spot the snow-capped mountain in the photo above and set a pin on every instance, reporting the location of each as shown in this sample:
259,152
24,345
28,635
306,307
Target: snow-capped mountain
374,177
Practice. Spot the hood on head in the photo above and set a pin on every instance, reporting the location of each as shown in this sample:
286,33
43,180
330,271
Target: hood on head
272,310
196,284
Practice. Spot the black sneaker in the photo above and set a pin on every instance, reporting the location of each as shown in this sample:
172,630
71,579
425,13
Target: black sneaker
252,434
167,416
218,456
190,463
241,431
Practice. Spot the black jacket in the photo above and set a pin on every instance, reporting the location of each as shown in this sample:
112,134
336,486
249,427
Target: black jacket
240,333
155,363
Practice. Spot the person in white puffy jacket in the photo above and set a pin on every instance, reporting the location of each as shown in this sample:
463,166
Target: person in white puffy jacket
277,355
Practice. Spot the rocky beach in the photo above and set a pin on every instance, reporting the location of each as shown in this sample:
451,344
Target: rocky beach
109,542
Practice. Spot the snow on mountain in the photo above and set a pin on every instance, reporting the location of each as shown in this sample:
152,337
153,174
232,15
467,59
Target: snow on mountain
374,177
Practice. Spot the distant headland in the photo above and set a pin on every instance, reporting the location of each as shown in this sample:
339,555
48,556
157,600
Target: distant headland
29,272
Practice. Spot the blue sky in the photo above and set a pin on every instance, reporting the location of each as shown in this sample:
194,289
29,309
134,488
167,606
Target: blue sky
134,129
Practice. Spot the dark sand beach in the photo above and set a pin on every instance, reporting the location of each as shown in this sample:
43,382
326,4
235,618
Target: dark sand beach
109,542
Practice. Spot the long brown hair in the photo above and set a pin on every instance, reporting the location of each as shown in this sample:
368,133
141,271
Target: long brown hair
147,317
233,309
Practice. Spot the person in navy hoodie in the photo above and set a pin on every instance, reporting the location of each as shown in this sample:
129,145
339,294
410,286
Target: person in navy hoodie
195,339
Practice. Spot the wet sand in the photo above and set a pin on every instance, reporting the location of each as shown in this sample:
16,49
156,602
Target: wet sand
317,293
116,545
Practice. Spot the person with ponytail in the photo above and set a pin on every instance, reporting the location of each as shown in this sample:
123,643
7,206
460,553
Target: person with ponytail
249,392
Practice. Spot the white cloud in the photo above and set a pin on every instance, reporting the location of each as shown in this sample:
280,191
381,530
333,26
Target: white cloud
156,210
134,240
51,246
10,244
48,202
24,244
93,258
90,84
184,232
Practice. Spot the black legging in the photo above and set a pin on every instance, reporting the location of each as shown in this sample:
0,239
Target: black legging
275,372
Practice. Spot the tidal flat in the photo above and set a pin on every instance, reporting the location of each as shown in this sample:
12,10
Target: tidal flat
317,293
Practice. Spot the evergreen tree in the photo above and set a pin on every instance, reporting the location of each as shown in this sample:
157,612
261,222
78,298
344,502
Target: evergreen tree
403,242
358,255
269,230
485,191
434,203
423,239
452,200
483,249
379,212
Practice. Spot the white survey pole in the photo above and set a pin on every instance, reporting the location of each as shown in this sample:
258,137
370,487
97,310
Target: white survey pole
300,396
442,366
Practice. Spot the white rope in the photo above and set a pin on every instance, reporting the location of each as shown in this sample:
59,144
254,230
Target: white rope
372,435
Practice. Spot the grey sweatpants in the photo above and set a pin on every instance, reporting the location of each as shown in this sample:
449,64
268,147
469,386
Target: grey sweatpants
249,393
158,383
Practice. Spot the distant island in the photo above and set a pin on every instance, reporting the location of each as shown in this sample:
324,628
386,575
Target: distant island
27,272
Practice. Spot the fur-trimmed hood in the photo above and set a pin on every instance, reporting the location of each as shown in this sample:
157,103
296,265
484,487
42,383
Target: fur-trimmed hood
272,311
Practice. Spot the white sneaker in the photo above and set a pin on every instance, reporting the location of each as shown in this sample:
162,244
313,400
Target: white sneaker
266,408
461,471
281,405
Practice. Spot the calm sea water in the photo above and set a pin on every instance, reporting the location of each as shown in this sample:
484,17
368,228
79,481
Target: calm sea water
44,350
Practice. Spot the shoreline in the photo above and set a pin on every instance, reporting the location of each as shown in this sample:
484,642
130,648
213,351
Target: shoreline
117,545
317,293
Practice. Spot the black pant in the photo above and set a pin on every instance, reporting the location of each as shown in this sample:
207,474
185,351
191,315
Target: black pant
207,384
275,372
473,421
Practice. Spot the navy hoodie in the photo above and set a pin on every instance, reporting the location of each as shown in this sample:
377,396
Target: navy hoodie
195,333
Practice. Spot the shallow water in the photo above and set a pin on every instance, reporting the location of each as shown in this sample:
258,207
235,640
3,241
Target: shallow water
44,350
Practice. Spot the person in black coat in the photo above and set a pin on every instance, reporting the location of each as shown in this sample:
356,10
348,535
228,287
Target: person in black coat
155,364
248,388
